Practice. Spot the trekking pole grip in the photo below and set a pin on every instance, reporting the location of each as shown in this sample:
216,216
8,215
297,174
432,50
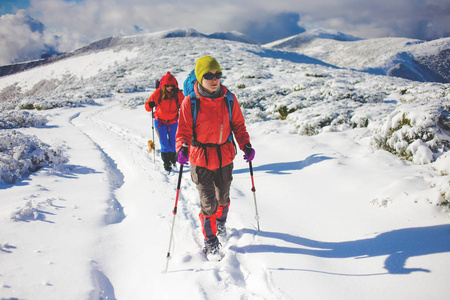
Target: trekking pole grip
251,175
184,148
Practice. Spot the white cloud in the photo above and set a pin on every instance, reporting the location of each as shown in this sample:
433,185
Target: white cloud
21,38
96,19
77,23
422,19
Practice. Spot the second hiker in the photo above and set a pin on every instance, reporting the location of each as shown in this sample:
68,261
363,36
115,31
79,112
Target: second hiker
166,100
211,149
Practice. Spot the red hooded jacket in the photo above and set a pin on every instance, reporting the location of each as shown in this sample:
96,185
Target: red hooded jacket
166,110
212,127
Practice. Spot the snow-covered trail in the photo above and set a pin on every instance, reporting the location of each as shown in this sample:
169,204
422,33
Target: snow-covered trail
310,190
339,218
129,246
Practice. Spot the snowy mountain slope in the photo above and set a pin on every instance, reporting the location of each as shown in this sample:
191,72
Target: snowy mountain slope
401,57
117,41
341,217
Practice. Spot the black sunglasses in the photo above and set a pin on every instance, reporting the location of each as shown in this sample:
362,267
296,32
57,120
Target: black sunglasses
170,86
210,76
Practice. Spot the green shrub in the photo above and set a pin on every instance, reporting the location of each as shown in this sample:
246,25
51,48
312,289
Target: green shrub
27,106
315,75
284,111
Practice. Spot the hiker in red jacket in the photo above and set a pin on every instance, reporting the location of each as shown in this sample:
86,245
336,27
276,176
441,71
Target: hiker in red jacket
210,151
167,99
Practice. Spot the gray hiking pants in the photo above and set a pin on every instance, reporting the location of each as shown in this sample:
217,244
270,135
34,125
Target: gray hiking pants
213,187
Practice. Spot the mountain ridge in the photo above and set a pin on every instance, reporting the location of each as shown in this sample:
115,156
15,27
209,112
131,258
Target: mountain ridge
418,60
117,41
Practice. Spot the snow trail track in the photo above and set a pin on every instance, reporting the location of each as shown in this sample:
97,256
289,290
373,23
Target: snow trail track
334,223
139,216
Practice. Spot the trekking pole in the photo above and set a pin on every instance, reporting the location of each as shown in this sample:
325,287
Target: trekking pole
153,138
184,148
254,193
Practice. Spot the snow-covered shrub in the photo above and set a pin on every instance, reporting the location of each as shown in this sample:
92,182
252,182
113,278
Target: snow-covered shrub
132,102
412,132
43,87
46,103
315,75
97,93
23,154
442,181
444,118
284,111
10,92
19,119
420,152
318,123
359,120
315,117
129,87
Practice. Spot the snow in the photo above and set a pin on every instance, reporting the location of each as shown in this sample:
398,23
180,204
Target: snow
351,172
383,56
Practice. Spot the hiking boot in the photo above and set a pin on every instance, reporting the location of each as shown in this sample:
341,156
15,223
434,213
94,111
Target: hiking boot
221,230
212,246
173,158
168,168
166,159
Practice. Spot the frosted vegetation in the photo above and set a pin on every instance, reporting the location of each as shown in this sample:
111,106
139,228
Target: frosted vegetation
409,119
22,154
352,175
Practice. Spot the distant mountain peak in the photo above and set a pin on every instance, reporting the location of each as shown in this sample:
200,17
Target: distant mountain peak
310,35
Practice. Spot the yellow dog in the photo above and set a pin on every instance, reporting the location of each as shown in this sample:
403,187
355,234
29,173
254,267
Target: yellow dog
151,146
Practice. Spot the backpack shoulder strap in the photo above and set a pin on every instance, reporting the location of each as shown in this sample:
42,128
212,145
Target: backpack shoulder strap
229,100
195,106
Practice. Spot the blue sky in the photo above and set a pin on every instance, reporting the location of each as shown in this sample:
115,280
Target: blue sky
11,6
30,27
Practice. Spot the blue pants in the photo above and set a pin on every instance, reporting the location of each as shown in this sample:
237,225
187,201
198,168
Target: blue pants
166,136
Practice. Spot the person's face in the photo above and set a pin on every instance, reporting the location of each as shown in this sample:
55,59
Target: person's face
170,88
213,84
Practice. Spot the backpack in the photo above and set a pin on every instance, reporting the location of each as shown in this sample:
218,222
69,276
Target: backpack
188,89
188,85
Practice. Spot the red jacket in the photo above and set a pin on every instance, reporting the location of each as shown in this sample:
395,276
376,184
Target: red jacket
166,110
212,126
